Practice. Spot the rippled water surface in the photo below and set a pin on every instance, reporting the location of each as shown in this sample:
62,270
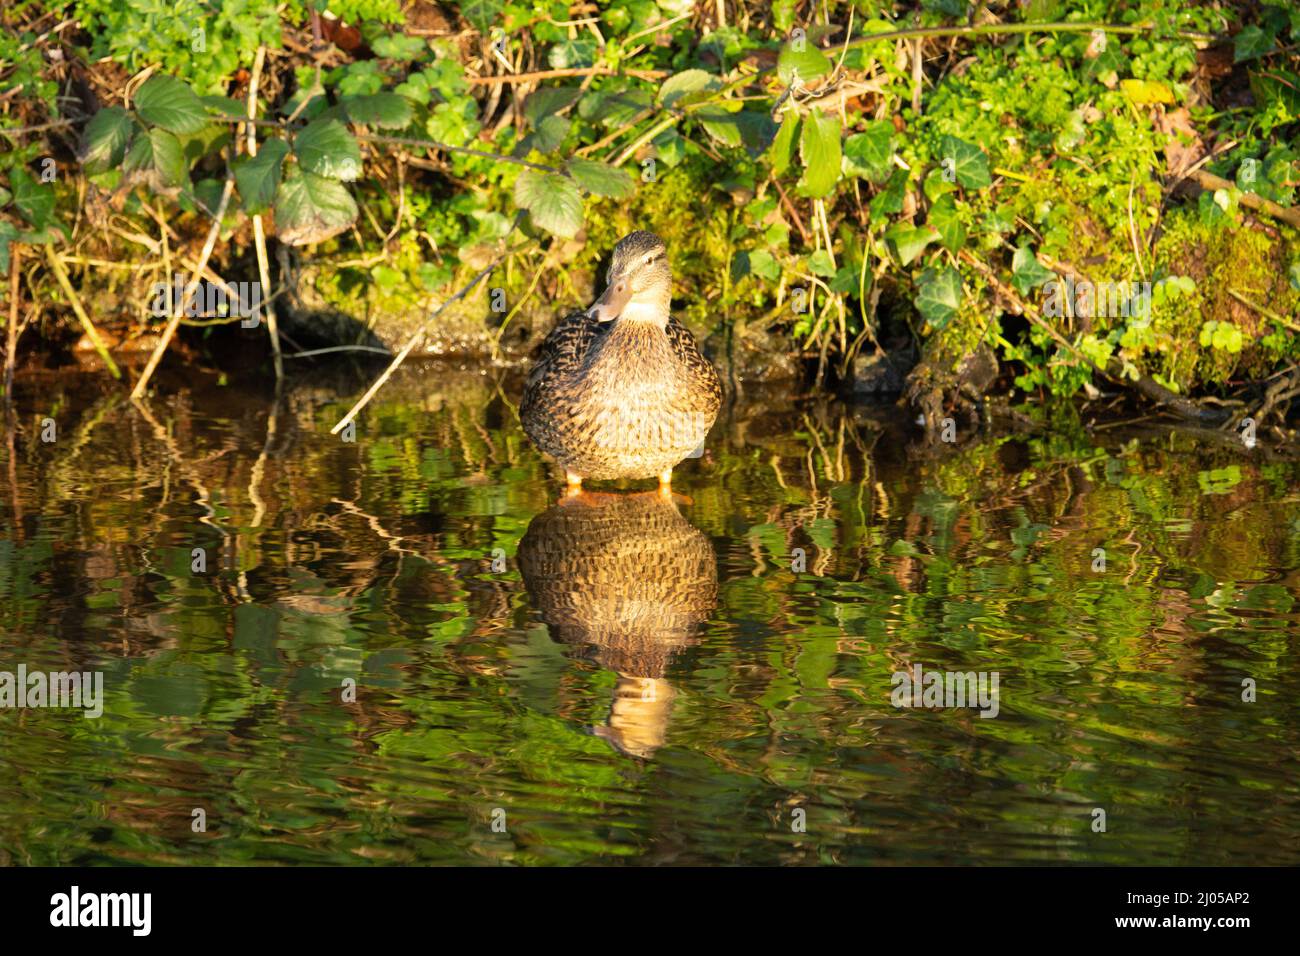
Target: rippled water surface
621,678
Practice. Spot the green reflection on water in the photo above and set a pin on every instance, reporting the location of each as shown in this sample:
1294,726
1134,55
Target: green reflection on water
636,679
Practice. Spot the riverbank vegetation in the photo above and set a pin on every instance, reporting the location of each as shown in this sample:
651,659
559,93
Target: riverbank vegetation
1056,199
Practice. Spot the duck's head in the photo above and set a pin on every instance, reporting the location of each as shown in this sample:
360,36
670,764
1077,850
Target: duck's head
639,286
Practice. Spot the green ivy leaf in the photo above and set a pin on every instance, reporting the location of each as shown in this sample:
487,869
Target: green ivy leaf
910,241
763,264
258,177
384,110
311,208
482,14
398,46
809,62
952,231
845,281
964,161
870,153
820,264
103,144
1027,273
601,179
170,103
326,148
938,295
1276,86
819,148
1250,44
890,199
552,200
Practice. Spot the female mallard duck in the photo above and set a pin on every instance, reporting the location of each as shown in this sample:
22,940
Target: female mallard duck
621,390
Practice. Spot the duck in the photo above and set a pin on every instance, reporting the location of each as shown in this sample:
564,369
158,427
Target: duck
621,390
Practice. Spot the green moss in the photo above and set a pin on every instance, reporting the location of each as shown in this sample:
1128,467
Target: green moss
1221,260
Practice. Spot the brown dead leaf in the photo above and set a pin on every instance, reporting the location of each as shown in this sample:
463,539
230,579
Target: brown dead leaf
1184,147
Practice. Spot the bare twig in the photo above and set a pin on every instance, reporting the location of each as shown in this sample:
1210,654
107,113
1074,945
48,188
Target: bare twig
1250,200
11,342
74,300
179,307
259,232
554,74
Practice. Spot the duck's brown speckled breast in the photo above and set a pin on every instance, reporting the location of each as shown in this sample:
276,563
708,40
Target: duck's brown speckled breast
638,400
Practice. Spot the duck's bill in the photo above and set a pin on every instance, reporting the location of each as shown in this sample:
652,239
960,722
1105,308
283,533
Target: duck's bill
612,303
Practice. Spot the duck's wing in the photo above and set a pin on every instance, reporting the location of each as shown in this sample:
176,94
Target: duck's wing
706,391
564,349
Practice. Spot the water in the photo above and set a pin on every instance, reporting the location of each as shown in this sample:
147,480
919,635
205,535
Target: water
635,680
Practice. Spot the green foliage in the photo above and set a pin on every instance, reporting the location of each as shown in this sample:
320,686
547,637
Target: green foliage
200,41
1027,150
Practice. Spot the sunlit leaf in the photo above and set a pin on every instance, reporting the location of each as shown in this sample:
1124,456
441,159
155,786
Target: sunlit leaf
1027,273
170,103
311,208
258,177
782,150
103,144
169,158
910,241
385,110
552,200
601,179
964,162
870,153
326,148
938,295
681,86
819,148
944,218
807,61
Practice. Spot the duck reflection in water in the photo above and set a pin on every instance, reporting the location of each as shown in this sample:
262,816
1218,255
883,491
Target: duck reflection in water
628,576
